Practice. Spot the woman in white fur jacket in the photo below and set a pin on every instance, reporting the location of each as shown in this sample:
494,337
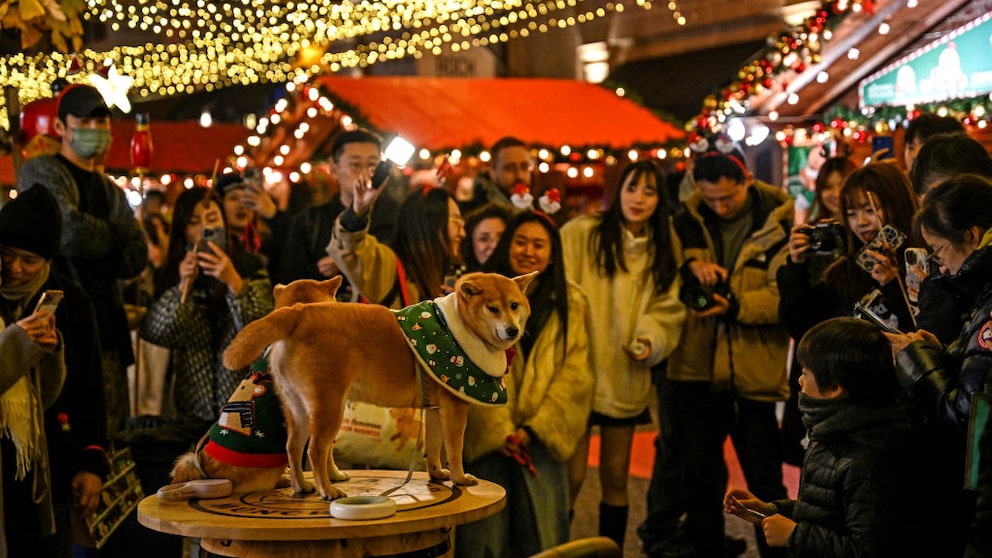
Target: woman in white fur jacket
524,446
623,261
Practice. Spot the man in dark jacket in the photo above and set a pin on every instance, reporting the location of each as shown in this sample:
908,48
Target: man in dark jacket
729,368
304,256
102,241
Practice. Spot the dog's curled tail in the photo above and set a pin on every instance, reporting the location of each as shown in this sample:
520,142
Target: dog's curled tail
249,343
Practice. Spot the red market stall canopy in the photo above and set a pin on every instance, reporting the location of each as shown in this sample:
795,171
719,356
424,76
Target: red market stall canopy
445,113
179,147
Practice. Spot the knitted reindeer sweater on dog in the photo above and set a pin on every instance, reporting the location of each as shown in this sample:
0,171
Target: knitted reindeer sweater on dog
251,431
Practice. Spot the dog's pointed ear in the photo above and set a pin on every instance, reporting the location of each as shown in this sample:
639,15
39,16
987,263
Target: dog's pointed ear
523,280
332,285
468,289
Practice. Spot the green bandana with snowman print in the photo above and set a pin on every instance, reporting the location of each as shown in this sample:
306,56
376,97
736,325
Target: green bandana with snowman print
437,352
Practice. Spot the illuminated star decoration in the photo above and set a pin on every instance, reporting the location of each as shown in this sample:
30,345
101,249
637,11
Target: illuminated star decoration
113,88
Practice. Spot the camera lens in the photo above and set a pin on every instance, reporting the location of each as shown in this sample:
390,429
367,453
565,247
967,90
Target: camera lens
698,298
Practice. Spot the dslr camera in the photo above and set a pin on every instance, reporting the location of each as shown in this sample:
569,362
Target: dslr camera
825,237
699,297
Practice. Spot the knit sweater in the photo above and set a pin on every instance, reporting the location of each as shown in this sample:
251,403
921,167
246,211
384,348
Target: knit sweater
101,243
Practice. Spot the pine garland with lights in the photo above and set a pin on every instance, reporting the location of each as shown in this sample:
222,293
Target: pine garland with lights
790,53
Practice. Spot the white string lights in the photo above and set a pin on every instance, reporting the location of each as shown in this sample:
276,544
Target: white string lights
240,42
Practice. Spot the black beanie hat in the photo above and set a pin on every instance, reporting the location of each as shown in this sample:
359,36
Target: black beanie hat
228,181
32,221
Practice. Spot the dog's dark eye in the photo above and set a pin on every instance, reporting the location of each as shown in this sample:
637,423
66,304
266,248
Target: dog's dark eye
493,309
514,306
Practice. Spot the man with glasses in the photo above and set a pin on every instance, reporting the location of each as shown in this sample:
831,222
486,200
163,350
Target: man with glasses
304,257
729,368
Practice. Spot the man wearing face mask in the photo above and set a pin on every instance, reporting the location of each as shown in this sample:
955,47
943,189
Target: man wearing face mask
102,242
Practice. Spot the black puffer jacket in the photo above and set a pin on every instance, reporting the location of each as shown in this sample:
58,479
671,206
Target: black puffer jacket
980,541
942,384
861,483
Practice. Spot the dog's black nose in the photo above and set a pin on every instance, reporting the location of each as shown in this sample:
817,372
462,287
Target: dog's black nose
512,331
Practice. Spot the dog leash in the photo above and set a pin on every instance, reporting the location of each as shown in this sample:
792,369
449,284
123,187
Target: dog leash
413,457
424,404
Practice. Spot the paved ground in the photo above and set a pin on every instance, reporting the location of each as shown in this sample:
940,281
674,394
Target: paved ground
586,522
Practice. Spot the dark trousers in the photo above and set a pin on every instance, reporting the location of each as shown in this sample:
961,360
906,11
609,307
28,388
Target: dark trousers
690,474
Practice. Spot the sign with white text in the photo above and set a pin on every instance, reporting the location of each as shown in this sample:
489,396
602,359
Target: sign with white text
956,66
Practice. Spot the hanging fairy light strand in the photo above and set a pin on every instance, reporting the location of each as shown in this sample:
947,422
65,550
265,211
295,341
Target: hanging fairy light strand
241,43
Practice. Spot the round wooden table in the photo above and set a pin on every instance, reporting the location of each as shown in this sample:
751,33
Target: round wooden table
277,523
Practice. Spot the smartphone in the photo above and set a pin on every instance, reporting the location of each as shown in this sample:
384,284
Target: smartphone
49,301
887,240
382,172
865,313
917,266
882,142
217,235
754,516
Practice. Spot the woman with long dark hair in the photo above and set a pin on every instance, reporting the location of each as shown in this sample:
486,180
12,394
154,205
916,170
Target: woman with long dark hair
826,197
870,198
208,289
549,389
483,228
624,262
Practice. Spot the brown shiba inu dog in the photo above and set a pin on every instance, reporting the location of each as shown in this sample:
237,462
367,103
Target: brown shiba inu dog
324,353
265,472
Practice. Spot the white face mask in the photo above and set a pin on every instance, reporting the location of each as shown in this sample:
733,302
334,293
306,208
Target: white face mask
89,142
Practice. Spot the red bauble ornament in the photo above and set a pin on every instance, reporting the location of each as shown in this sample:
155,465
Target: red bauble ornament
38,118
141,143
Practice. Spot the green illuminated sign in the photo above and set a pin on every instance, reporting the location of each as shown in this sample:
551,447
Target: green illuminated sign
958,65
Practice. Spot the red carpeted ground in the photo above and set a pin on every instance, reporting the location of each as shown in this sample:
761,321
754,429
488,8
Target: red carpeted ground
642,459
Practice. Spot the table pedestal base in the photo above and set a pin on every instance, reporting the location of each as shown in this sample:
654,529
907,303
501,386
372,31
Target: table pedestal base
426,544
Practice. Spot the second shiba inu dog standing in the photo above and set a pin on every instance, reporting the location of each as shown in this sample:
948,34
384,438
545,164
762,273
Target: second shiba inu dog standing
324,353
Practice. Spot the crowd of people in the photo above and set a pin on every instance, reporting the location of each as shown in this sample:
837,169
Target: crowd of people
718,306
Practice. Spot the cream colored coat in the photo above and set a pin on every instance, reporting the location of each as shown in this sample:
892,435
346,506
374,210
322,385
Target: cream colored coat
621,309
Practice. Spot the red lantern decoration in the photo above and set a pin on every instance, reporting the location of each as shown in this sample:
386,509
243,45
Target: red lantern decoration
38,117
141,144
38,134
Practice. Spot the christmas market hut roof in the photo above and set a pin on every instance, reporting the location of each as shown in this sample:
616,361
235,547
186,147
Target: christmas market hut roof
444,113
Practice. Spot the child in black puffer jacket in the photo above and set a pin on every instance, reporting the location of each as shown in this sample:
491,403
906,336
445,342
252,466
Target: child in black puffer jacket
864,489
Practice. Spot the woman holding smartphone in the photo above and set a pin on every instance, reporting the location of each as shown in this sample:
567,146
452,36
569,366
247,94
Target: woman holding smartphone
943,381
871,198
208,289
50,378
